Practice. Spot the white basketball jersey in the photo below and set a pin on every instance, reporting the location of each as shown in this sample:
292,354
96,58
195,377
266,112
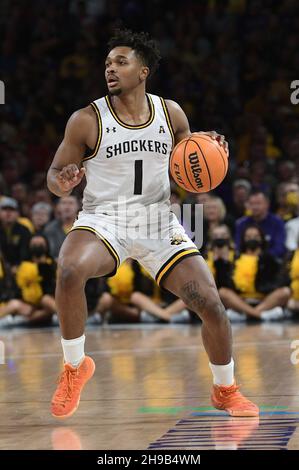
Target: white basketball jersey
128,163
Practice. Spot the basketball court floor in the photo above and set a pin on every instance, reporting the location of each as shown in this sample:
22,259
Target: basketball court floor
150,390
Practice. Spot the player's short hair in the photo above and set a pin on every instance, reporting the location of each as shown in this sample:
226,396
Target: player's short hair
146,48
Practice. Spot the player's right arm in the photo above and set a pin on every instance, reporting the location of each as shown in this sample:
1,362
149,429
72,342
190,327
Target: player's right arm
66,170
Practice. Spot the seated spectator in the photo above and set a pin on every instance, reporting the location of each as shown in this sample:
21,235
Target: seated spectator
155,302
241,191
93,292
258,291
286,169
19,192
40,216
287,198
9,304
271,225
132,294
292,231
294,277
56,231
36,281
221,255
214,215
14,237
259,173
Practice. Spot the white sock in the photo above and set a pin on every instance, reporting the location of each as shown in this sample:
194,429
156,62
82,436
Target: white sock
73,350
223,375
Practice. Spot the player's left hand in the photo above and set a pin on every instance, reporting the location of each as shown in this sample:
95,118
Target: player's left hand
219,137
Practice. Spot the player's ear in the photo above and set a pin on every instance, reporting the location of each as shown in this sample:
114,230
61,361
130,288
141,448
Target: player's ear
144,73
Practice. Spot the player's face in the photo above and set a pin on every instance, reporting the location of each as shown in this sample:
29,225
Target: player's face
123,70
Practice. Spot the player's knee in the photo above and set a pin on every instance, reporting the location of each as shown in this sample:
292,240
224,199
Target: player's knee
69,275
214,312
212,309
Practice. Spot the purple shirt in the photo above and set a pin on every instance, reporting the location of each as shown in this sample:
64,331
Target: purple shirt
273,228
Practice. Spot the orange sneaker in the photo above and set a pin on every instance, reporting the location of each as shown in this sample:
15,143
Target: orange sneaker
66,398
231,400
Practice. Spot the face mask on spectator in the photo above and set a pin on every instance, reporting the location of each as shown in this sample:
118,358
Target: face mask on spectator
252,244
220,242
38,250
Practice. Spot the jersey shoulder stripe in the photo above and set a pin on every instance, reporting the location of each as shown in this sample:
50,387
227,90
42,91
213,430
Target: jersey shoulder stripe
100,132
168,120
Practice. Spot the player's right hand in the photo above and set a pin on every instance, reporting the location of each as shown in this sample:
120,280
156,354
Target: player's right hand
69,177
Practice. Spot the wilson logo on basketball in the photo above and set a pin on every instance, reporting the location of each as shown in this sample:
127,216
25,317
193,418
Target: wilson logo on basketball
198,164
178,173
195,168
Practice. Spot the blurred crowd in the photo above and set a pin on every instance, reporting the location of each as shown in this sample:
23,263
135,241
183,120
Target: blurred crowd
233,76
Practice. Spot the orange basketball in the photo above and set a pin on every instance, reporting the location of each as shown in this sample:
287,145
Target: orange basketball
198,163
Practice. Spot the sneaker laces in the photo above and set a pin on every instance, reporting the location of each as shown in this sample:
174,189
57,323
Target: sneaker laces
66,382
233,394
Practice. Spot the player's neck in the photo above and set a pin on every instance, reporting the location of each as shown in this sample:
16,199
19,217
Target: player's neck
132,106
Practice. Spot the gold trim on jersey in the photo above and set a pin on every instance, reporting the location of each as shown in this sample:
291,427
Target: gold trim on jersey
108,244
172,262
127,126
97,146
168,120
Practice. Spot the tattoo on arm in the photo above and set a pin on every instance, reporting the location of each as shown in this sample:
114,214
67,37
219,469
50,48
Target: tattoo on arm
189,293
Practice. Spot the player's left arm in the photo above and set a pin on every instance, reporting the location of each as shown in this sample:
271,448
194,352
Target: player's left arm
181,126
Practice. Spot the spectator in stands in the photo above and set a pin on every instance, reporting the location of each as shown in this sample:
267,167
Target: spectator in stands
19,192
292,233
241,191
294,278
292,229
9,305
40,216
133,296
271,225
287,199
221,255
214,215
258,288
14,237
36,281
56,231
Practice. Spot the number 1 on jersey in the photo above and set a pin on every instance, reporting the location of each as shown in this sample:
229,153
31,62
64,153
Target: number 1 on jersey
138,177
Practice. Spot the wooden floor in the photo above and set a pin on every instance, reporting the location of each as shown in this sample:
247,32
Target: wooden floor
150,390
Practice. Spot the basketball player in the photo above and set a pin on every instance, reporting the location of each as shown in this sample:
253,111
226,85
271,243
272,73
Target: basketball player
122,143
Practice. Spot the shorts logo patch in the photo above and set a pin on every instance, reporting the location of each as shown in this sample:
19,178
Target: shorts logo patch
177,239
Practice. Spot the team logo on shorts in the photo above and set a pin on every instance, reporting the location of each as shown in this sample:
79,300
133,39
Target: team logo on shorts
177,239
